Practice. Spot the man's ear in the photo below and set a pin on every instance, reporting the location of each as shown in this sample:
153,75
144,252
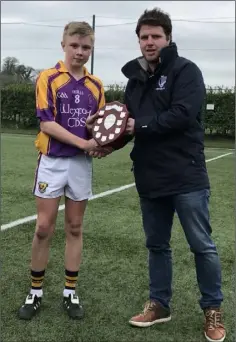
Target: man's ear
62,45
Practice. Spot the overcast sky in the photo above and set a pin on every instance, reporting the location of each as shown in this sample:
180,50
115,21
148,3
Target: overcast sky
210,45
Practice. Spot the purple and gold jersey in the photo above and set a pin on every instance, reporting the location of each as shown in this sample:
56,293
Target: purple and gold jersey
63,99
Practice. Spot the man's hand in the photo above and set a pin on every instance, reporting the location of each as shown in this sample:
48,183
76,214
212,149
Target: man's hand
105,151
90,121
91,145
95,150
130,126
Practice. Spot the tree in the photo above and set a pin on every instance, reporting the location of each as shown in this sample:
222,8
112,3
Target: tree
24,73
9,65
14,72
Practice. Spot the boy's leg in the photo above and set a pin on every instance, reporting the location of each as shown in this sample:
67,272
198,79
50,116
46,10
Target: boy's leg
47,210
48,190
45,226
74,214
77,193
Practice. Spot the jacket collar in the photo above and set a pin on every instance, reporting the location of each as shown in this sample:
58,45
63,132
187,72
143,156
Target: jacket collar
138,67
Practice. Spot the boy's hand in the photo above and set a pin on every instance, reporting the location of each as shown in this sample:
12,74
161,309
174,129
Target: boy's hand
90,121
105,151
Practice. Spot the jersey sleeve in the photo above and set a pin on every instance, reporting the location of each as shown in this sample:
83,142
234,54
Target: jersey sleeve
102,100
44,99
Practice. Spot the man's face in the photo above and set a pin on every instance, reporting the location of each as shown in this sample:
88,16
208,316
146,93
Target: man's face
77,50
152,39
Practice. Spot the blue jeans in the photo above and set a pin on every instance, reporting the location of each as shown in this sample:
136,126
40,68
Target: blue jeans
193,213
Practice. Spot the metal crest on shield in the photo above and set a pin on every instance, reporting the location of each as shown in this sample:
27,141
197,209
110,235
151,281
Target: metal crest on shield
111,123
115,106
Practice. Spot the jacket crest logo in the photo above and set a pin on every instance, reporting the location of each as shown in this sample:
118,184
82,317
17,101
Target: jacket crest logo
161,83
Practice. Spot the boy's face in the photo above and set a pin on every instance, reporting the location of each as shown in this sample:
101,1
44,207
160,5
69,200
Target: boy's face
77,50
152,39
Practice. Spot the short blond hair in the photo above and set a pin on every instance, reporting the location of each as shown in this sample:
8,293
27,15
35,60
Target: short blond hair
78,27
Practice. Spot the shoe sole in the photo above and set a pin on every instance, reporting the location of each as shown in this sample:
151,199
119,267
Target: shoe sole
79,317
210,340
149,324
76,317
25,318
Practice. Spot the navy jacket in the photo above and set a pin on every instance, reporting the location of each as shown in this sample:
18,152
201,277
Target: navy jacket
168,153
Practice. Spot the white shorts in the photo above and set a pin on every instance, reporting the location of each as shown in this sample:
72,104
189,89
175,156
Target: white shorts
71,176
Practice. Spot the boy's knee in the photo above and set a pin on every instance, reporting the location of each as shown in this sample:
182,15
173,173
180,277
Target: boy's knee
44,230
74,228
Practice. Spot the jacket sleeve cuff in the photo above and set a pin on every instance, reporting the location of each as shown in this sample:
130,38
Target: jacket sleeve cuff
142,125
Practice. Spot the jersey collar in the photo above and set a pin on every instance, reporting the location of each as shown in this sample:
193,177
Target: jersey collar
60,66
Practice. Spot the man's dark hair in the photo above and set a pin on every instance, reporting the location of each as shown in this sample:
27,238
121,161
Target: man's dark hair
155,17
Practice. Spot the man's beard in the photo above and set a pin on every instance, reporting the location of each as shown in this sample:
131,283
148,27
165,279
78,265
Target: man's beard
152,60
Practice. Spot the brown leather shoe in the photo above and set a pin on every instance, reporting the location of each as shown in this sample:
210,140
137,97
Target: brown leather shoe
153,313
214,329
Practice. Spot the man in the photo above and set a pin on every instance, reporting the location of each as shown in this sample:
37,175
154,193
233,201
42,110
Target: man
66,95
164,96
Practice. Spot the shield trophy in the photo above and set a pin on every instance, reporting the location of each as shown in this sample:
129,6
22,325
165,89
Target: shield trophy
110,126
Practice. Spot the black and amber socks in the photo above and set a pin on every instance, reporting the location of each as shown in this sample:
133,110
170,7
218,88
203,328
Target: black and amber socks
71,279
37,278
37,282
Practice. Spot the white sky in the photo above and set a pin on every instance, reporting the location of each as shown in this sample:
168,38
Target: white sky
210,45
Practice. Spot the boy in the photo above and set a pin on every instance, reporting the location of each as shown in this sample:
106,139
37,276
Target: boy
66,95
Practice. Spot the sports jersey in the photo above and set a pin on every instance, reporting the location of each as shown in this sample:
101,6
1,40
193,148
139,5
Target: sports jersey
63,99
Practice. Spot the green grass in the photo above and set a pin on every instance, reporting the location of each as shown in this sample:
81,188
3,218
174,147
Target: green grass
114,278
220,142
12,130
210,140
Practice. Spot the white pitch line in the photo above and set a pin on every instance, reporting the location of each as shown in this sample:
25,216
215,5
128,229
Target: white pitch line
219,148
218,157
102,194
62,207
215,149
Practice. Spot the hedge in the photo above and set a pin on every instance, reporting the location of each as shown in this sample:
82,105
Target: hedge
18,107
